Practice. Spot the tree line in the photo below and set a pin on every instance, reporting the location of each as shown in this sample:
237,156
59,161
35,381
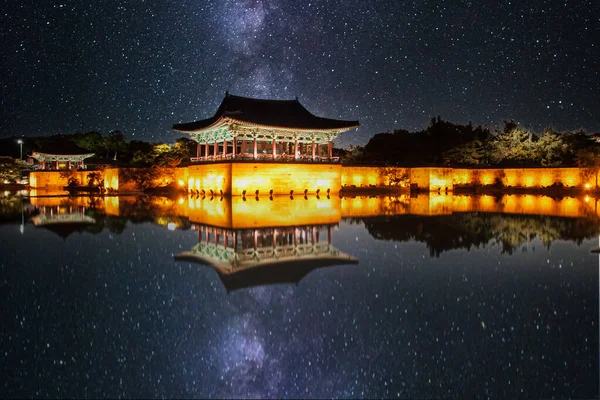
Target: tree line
443,143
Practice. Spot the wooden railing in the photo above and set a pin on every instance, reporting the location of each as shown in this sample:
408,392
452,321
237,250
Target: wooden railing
266,158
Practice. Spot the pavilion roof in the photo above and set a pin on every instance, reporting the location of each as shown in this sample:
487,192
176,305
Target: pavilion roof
287,114
285,270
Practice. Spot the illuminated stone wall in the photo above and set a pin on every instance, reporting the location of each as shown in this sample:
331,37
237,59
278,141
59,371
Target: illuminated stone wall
281,178
51,180
436,179
111,179
526,177
207,177
363,176
284,177
234,178
433,179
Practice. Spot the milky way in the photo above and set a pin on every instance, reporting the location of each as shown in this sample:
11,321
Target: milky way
141,66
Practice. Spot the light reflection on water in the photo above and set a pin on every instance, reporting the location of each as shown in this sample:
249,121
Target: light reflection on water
433,296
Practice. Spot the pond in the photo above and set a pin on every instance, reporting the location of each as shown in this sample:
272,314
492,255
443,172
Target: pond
429,297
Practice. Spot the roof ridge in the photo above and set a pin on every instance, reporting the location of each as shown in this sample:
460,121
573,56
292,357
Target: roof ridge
261,99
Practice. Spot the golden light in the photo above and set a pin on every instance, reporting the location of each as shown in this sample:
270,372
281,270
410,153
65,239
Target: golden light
181,183
587,186
546,179
487,178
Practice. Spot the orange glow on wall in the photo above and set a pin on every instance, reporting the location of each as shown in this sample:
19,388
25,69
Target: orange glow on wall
363,176
281,178
111,179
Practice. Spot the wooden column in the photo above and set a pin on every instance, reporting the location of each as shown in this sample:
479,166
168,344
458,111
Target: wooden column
295,148
69,164
198,149
329,149
274,148
234,145
215,148
205,149
255,148
224,148
313,149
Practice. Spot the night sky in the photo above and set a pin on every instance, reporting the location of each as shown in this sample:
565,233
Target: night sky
141,66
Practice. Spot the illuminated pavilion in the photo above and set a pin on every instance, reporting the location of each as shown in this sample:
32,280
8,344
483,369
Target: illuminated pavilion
65,155
245,128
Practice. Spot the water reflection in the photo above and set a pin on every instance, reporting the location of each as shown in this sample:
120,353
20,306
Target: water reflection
259,256
442,222
133,305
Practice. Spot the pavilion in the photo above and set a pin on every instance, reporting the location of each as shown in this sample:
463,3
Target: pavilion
246,128
63,155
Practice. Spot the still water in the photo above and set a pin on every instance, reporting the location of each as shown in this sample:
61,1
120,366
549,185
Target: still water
429,297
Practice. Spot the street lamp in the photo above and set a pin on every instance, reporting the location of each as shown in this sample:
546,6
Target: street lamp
20,148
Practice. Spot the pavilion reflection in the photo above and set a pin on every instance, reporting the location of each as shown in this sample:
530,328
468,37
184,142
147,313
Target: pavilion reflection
63,219
246,257
260,241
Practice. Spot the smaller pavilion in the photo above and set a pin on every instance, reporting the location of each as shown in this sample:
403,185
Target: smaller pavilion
64,155
245,128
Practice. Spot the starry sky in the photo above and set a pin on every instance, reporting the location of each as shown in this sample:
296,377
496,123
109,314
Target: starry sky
141,66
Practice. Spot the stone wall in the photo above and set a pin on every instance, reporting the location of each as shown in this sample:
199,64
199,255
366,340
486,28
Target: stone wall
435,179
51,180
525,177
281,178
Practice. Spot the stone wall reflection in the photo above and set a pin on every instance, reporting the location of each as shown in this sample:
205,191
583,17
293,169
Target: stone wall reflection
443,222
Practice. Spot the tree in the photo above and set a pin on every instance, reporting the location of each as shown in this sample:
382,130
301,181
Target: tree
550,149
470,153
92,141
184,148
71,176
10,170
589,160
354,155
513,145
115,142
